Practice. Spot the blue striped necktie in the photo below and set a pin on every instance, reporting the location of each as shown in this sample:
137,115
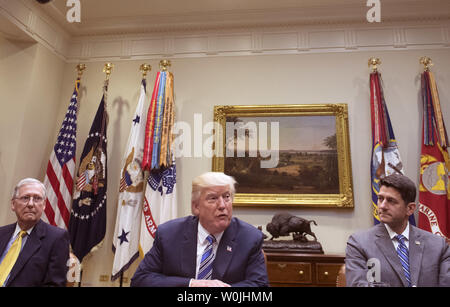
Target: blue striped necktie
403,254
205,269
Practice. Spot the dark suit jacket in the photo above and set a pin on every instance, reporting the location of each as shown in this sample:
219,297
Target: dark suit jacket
43,259
429,258
171,262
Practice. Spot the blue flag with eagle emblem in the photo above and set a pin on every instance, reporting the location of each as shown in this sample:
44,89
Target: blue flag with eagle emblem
87,225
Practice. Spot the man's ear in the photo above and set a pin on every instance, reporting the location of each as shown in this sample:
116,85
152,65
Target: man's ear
410,208
194,208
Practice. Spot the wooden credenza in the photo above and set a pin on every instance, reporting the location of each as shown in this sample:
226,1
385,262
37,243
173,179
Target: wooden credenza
288,269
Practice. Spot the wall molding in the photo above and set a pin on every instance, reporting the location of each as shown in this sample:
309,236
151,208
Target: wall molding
431,33
278,40
35,25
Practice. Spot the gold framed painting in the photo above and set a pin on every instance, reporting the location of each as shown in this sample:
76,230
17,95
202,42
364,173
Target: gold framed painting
285,155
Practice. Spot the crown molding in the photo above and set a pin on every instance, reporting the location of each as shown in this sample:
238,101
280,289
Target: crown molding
200,19
260,41
235,34
35,25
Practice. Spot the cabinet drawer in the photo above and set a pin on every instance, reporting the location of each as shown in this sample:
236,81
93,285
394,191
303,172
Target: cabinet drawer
327,273
289,272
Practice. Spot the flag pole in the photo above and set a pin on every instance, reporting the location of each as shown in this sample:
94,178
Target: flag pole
373,64
164,65
145,68
426,62
80,68
107,69
81,276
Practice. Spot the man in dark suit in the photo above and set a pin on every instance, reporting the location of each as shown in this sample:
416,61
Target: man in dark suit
403,255
210,248
41,250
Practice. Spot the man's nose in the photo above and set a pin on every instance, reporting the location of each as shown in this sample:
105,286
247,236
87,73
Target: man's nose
382,204
31,202
221,203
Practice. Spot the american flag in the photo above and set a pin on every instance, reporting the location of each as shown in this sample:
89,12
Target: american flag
61,168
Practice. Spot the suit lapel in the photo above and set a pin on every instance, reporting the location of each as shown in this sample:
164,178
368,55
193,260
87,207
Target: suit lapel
384,243
189,248
5,236
416,248
31,246
225,251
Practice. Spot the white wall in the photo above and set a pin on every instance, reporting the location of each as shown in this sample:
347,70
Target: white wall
30,80
201,83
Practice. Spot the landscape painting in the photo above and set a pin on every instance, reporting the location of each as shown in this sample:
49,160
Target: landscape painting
306,145
307,159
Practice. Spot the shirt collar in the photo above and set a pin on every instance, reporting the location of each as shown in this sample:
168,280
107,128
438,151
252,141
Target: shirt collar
392,233
203,234
18,229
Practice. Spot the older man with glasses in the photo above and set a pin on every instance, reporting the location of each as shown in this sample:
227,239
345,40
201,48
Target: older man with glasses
32,252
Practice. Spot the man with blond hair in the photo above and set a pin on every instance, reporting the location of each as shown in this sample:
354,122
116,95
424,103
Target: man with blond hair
207,249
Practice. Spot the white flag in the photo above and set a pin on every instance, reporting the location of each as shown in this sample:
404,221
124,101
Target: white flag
160,204
131,192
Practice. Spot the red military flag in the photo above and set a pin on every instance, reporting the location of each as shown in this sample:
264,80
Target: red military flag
434,193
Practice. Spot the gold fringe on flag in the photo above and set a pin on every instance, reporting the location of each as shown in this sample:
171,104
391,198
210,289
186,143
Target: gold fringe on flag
437,111
166,138
171,122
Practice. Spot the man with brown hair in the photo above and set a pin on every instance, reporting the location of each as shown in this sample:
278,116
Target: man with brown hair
405,255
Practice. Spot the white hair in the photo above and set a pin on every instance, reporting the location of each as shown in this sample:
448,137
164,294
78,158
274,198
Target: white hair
27,181
208,180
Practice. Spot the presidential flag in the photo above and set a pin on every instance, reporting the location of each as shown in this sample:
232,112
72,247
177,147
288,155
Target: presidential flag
434,192
160,204
131,192
61,168
385,154
87,225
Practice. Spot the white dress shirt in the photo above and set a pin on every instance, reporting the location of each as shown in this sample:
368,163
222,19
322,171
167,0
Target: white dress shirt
202,243
392,235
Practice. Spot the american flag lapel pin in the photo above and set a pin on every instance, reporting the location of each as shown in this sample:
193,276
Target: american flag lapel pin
229,248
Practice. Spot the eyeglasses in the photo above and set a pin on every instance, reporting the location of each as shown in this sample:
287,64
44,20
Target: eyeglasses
26,198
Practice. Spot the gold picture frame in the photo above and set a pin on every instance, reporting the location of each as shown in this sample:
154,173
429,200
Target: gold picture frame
308,172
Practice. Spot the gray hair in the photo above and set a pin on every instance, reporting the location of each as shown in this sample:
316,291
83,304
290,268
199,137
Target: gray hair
27,181
208,180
